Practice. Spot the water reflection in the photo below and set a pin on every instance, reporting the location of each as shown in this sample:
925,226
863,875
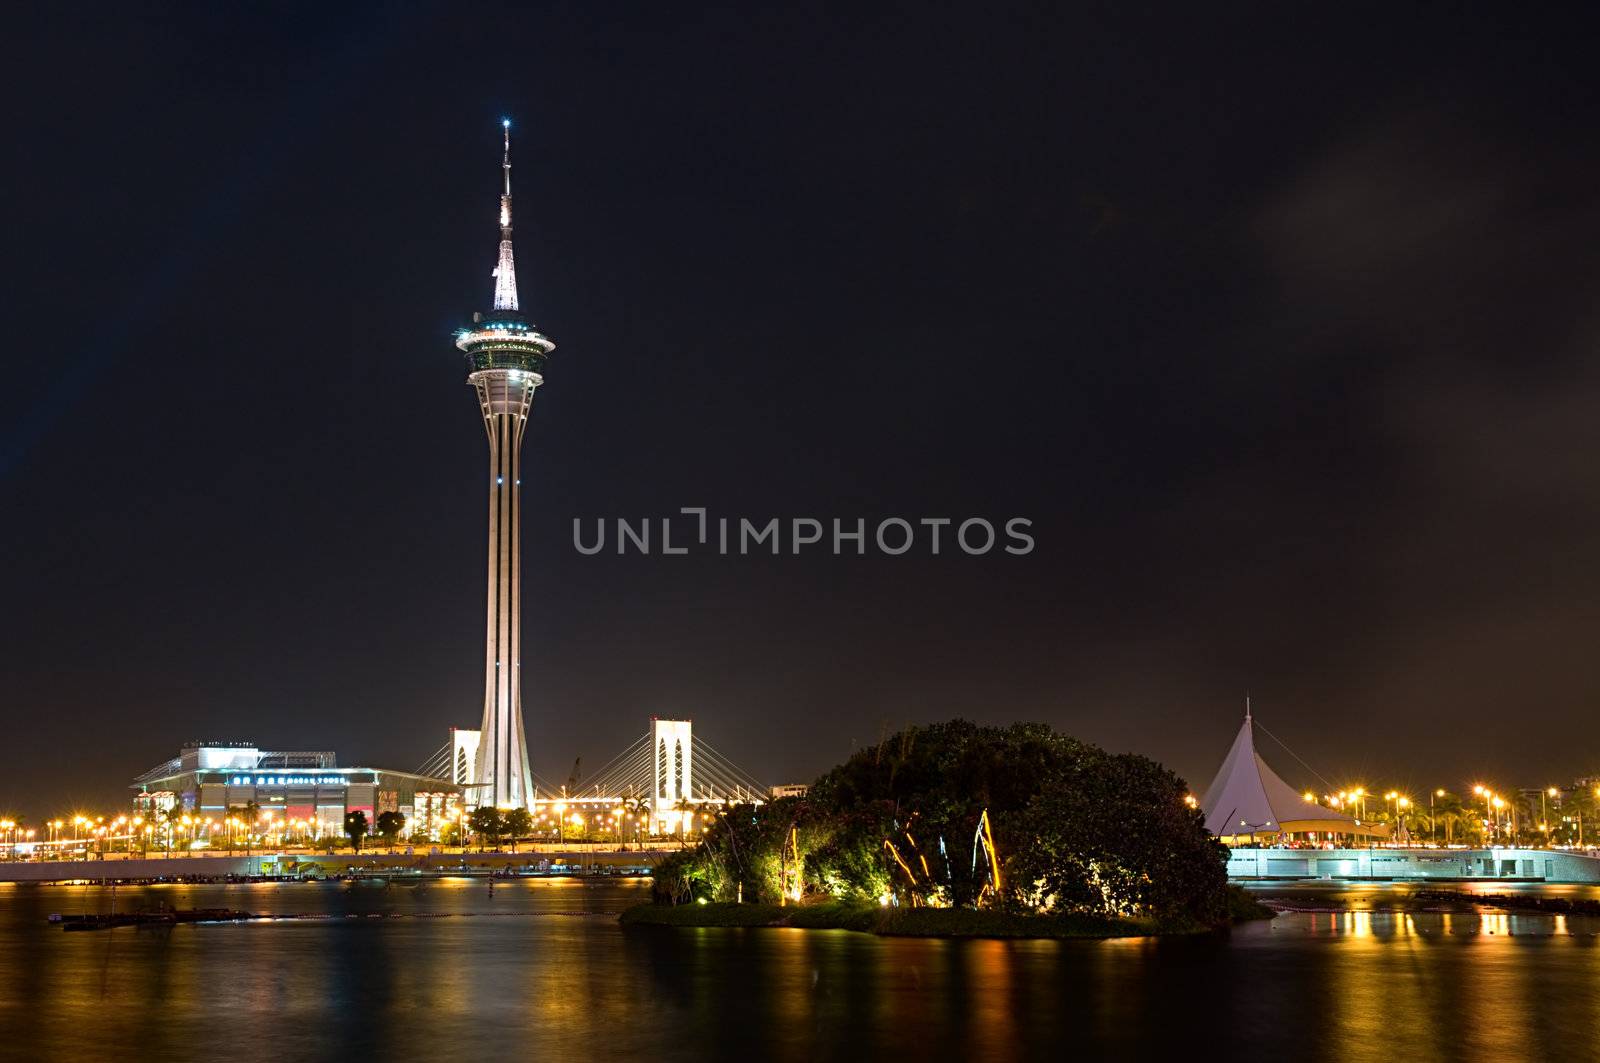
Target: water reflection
1404,924
468,972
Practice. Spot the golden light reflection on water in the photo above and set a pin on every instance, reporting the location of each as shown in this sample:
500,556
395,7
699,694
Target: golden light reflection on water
993,972
1405,924
1449,984
500,973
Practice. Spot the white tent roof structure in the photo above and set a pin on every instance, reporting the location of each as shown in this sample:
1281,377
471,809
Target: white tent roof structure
1247,797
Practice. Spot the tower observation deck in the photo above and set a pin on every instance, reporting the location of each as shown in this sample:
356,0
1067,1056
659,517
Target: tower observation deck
505,358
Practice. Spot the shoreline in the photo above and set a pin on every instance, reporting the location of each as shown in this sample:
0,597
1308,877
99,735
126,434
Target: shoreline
897,922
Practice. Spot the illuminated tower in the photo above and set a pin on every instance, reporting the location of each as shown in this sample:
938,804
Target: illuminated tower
505,363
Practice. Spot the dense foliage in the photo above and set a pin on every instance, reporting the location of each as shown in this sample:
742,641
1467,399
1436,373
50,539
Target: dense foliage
1074,830
389,825
488,823
355,828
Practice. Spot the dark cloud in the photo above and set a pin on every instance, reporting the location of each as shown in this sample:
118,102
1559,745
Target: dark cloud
1425,549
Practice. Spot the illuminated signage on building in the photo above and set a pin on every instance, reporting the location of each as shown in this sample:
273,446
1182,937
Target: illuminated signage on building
287,780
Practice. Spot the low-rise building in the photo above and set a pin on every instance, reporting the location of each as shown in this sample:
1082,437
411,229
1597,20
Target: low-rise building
207,780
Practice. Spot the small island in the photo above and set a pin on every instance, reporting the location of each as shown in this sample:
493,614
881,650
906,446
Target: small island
959,830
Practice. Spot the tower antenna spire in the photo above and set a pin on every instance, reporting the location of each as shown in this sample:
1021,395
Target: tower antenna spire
505,162
505,271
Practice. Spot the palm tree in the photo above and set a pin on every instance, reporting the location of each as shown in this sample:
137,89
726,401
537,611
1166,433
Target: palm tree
1454,821
683,806
252,815
173,816
230,819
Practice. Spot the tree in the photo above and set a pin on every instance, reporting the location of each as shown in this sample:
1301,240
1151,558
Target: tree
639,809
927,789
250,814
683,810
355,828
1073,829
174,817
517,823
231,820
1453,820
1112,835
486,822
389,825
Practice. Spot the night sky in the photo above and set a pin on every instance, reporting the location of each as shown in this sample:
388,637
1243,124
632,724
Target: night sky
1280,327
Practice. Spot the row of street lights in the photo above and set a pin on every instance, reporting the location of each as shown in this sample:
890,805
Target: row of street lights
154,829
1497,809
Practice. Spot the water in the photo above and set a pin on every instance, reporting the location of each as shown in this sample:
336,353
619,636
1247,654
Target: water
502,976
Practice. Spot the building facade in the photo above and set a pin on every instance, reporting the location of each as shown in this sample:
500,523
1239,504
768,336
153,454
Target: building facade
211,782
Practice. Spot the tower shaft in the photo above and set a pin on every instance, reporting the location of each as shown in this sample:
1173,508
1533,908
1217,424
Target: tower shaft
504,773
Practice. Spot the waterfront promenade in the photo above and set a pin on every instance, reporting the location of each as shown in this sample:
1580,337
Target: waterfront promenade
1529,865
301,864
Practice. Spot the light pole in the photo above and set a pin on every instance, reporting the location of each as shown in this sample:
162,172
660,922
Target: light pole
1580,816
1556,794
